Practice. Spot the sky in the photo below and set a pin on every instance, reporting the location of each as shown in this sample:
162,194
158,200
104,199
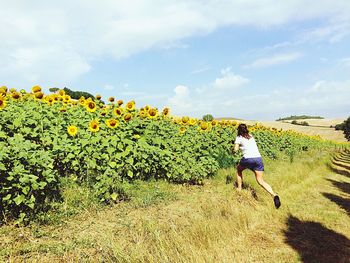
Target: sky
249,59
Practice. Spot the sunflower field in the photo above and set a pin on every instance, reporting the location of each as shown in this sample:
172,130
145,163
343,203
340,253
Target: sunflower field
47,137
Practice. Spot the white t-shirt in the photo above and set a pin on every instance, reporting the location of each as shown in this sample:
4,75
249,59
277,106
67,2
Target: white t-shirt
248,147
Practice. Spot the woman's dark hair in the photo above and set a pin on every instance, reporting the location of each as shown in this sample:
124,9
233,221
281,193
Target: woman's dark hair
243,131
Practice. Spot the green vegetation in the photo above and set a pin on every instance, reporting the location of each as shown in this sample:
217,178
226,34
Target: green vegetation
210,223
208,117
344,126
303,123
299,117
78,94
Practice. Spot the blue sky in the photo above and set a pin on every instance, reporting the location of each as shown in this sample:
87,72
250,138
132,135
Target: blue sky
253,59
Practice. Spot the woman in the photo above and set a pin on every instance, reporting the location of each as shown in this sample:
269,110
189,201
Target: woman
251,160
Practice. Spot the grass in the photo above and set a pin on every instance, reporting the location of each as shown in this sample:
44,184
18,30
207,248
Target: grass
212,223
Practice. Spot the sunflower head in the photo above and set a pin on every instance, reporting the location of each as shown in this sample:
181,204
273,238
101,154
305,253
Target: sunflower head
204,126
192,121
36,88
182,129
103,112
72,130
94,126
127,117
2,102
185,120
130,106
166,112
112,123
61,92
143,113
120,102
3,90
214,123
153,113
15,95
111,99
118,112
98,97
90,106
39,95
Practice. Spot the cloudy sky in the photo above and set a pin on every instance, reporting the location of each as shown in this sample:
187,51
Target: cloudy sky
253,59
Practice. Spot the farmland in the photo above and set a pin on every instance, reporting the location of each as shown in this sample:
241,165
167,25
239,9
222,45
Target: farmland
94,181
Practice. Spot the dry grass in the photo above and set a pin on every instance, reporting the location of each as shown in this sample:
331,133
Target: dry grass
213,223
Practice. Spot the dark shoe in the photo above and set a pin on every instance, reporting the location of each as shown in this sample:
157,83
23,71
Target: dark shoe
277,201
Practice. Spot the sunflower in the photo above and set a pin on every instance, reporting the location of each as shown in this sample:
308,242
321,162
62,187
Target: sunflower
166,112
72,130
112,123
143,113
192,121
36,88
118,112
204,126
61,92
15,95
214,123
63,109
147,108
94,126
130,106
152,113
104,112
120,102
182,129
39,95
98,97
50,100
90,106
185,120
66,98
127,117
111,99
3,90
2,102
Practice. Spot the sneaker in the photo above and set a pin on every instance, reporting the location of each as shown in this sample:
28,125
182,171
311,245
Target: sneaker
277,201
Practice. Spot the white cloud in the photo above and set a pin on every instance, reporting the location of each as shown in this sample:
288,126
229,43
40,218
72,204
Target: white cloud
47,41
274,60
180,102
109,87
229,81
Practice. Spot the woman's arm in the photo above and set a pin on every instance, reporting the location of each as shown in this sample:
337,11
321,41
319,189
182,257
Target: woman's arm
236,147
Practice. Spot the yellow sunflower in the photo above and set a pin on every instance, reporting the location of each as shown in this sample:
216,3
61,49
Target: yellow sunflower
36,88
94,126
39,95
204,126
2,102
111,99
185,120
143,113
112,123
72,130
118,112
15,95
104,112
98,97
166,112
120,102
182,129
61,92
90,106
214,123
152,113
127,117
192,121
3,90
130,106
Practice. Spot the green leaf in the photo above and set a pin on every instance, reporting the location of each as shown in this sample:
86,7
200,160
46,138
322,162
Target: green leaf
114,196
19,199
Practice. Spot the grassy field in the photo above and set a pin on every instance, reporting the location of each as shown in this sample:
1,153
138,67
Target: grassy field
210,223
323,128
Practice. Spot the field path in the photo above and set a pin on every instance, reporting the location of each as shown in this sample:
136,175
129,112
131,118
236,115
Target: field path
211,223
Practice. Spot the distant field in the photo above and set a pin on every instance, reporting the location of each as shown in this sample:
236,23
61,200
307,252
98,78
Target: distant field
325,132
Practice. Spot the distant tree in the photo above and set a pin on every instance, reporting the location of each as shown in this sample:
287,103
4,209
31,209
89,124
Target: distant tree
78,94
347,129
53,90
340,126
208,117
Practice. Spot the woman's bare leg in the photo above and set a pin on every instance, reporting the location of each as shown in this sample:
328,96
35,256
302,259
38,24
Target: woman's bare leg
260,180
239,177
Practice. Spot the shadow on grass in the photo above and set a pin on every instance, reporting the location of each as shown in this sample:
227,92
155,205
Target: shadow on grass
340,201
341,164
250,189
338,171
316,243
341,159
343,186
